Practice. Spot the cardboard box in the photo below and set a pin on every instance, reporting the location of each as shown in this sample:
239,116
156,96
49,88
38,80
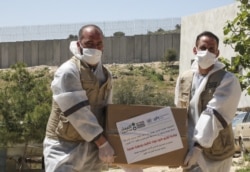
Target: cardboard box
116,113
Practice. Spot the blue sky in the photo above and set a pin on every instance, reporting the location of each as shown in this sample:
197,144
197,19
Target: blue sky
46,12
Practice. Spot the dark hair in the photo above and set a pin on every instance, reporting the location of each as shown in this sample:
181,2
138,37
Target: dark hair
89,25
209,34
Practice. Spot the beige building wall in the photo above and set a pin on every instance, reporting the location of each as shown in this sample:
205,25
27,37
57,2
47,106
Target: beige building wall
213,20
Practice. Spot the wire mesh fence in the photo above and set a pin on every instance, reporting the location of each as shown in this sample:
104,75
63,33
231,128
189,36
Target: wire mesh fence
62,31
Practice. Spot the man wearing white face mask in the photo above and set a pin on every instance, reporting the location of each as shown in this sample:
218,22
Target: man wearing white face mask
81,89
211,96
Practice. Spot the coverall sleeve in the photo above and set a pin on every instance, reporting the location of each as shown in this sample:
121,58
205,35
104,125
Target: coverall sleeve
225,101
176,95
110,93
71,98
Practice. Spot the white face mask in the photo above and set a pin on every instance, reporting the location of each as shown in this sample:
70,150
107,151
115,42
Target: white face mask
91,56
205,59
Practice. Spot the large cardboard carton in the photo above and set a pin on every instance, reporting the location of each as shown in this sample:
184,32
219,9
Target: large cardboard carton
116,113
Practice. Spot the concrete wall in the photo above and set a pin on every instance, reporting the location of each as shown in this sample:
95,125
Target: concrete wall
213,20
125,49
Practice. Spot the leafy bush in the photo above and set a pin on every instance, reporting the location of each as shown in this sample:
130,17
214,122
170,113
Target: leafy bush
170,55
236,33
151,74
25,104
124,92
129,92
119,33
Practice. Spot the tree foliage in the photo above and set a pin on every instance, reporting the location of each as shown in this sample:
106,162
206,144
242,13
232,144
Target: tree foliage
178,27
170,57
25,100
74,37
161,31
237,32
119,33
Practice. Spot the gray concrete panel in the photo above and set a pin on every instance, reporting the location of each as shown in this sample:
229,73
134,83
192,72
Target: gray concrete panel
5,55
19,51
176,43
130,49
168,41
68,50
127,49
145,48
34,53
56,52
123,49
42,53
152,47
116,49
12,53
107,52
27,53
64,51
172,42
160,47
138,48
49,52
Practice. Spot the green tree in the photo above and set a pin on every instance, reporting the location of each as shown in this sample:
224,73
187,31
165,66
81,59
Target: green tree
170,56
75,37
160,31
25,100
119,34
178,27
237,32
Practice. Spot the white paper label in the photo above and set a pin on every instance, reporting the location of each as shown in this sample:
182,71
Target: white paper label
149,135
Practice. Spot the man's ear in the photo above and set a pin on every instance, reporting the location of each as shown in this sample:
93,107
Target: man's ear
218,53
195,50
79,47
78,44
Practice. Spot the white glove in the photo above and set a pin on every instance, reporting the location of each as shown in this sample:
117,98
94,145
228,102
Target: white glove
106,153
192,157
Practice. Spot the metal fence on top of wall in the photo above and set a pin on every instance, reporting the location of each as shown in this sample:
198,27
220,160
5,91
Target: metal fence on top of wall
124,49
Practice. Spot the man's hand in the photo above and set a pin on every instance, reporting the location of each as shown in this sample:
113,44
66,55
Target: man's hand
106,153
192,157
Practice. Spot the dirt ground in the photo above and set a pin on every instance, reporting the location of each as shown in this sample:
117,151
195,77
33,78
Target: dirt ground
237,163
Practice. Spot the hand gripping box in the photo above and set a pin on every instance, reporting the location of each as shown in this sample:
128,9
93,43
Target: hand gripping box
144,135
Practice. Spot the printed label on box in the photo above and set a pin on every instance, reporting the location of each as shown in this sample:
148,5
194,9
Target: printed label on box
149,135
